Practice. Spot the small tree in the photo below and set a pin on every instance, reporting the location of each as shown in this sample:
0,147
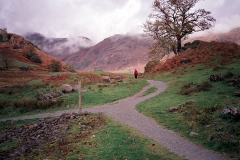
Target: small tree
29,51
36,59
69,68
4,35
5,61
55,65
171,21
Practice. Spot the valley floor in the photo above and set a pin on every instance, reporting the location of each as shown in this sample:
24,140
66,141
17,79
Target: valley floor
125,112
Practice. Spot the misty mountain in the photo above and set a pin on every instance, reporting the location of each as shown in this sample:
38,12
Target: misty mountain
58,47
119,53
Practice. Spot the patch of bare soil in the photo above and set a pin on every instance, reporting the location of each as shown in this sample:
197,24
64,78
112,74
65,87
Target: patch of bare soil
57,78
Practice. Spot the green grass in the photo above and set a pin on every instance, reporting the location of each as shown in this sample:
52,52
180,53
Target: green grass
117,141
36,81
112,140
20,64
150,90
218,96
97,94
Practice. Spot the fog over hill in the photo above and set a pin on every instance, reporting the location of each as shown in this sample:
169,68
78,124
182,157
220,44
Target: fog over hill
58,46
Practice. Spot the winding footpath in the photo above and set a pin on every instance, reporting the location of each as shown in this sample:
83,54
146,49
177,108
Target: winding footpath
124,111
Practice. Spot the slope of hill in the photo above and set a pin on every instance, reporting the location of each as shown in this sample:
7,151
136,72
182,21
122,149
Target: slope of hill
119,53
14,50
207,53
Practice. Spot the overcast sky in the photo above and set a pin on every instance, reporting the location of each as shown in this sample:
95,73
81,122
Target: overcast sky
97,19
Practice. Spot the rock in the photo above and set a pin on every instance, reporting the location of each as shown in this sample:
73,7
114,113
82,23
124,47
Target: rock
230,110
106,78
192,134
226,110
118,79
210,137
236,94
216,77
172,109
66,88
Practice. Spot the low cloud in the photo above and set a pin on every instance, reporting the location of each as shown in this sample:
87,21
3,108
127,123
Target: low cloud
97,19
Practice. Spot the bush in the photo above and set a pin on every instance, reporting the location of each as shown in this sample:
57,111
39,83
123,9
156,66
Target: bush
35,58
3,104
69,68
30,53
150,65
55,65
191,88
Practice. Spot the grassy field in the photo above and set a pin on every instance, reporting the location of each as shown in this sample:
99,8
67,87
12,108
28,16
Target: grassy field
200,111
110,140
18,99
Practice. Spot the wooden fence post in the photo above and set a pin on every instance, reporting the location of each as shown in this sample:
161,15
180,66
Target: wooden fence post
79,97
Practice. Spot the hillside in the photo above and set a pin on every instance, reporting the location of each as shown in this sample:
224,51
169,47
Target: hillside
12,52
206,53
119,53
14,49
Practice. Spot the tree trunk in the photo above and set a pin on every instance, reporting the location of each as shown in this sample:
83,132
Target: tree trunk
179,45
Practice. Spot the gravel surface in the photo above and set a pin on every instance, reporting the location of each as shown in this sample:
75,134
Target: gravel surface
125,112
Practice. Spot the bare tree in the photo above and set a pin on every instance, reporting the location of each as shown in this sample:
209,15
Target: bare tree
171,21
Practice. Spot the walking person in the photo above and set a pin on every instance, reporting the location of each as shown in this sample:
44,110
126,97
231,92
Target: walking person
135,73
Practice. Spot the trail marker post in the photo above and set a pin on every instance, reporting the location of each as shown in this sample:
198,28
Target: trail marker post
79,96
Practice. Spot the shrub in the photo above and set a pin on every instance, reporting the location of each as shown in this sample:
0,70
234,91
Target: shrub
228,75
150,65
204,86
204,119
35,58
55,65
30,53
4,35
69,68
191,88
15,46
3,104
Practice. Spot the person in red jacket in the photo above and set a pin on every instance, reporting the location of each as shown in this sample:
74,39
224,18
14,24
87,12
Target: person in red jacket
135,73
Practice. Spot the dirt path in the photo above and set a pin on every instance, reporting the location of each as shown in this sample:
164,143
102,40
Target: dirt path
125,112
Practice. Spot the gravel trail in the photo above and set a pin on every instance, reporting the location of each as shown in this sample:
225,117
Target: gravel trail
125,112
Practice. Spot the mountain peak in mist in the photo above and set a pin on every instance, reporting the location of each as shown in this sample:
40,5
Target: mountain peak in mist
56,46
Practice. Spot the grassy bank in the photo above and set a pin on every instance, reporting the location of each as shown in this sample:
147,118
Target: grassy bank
198,111
18,99
106,140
